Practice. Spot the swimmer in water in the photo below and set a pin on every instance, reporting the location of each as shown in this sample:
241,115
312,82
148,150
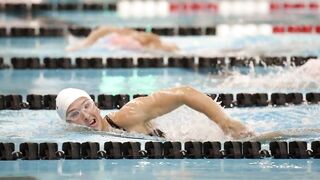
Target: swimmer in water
76,106
311,68
124,38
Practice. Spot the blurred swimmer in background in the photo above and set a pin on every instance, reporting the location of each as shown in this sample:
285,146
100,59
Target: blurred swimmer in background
123,38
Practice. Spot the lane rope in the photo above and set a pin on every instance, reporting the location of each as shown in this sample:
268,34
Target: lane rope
191,62
108,101
159,150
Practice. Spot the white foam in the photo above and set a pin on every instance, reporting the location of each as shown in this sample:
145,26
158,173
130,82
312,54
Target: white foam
185,124
293,79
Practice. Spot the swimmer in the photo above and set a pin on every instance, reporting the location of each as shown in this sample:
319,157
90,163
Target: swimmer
124,38
311,68
76,106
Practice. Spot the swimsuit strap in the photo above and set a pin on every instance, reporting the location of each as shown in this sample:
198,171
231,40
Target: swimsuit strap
112,124
157,132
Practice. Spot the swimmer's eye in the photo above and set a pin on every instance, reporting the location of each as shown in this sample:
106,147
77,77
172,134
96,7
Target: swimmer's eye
74,115
87,105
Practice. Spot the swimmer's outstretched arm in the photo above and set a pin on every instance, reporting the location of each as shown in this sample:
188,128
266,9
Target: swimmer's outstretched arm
93,37
141,110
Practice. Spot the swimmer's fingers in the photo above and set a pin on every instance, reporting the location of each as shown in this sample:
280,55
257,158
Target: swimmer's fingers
75,47
237,129
242,134
70,48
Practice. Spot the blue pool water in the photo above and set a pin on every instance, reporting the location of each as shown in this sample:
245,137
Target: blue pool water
164,169
295,122
304,45
146,80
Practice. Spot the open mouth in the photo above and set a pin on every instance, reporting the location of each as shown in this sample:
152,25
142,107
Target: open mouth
93,122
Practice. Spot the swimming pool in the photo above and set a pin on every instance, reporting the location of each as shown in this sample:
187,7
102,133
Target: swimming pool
32,125
164,169
298,122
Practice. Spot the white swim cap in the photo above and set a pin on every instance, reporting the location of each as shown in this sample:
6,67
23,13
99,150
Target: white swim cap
66,97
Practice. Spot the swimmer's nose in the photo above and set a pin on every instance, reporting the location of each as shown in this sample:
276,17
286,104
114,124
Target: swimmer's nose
87,116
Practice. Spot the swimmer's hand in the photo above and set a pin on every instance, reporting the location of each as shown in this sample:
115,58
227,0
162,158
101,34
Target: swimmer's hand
75,44
236,129
74,47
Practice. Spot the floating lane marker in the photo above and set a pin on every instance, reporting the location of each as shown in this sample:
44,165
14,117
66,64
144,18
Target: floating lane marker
108,101
140,8
159,150
244,30
238,30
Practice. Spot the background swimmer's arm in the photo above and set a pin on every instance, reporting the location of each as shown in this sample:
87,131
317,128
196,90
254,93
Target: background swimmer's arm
94,36
144,109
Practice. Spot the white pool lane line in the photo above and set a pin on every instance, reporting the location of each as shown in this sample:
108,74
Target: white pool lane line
138,8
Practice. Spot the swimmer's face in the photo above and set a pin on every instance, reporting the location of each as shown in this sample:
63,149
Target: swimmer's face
83,111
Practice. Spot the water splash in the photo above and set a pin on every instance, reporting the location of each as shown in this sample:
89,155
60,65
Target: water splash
283,79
